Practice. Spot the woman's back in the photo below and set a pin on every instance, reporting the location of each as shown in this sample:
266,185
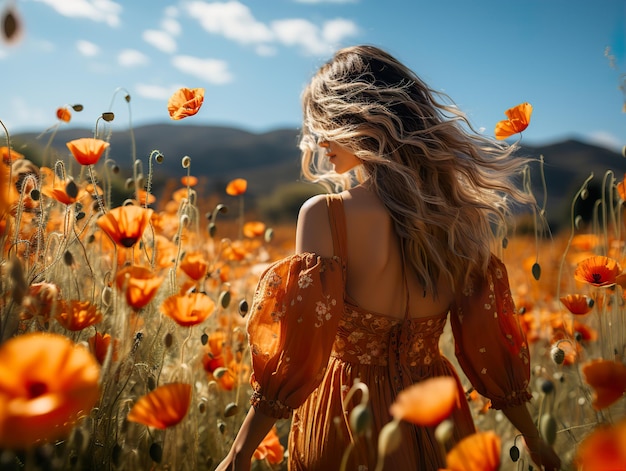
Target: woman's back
375,276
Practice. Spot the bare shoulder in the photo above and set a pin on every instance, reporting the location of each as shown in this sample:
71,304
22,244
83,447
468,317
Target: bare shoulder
313,230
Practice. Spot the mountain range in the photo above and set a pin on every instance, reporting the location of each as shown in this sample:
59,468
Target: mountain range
271,160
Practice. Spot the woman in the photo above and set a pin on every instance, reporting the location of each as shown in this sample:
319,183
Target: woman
377,269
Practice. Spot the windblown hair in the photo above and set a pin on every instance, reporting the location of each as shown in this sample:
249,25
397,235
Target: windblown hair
443,183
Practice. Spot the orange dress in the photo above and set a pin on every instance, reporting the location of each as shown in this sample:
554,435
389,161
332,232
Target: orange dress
310,342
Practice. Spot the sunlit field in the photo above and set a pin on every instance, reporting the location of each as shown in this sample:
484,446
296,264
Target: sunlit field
122,327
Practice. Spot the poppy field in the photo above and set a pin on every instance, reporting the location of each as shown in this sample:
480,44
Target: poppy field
123,327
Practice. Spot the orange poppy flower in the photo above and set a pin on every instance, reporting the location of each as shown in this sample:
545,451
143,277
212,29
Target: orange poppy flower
65,192
87,150
140,283
164,407
47,383
253,229
585,242
41,300
597,271
518,120
77,315
577,304
188,309
9,155
185,102
195,265
125,224
189,180
608,380
426,403
215,351
144,198
64,114
621,188
99,346
237,187
270,448
603,449
479,451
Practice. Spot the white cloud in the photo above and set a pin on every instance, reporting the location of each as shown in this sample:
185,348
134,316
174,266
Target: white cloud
212,70
171,26
162,40
606,139
326,1
155,92
105,11
310,37
233,20
86,48
131,58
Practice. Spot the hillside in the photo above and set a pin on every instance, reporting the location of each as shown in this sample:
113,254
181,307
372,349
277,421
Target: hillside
270,160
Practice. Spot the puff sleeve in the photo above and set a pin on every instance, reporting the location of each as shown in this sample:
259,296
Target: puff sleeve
489,342
293,320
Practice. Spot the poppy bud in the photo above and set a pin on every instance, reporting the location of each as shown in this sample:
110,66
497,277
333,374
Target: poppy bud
186,161
514,453
204,339
390,438
156,452
536,270
558,355
108,116
547,427
443,432
360,419
225,299
231,409
269,234
243,307
78,107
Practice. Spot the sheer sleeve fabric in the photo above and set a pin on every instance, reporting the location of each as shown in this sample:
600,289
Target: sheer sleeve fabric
489,342
293,320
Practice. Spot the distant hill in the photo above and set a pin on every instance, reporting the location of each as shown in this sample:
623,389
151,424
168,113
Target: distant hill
270,160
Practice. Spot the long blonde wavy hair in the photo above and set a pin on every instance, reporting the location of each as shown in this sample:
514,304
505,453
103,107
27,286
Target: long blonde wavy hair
443,183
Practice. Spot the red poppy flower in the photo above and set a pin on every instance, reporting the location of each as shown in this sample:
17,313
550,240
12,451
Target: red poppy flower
87,150
598,271
426,403
140,283
253,229
479,451
47,383
577,304
608,380
64,114
237,187
125,224
185,102
195,265
77,315
603,449
99,346
518,120
270,448
164,407
188,309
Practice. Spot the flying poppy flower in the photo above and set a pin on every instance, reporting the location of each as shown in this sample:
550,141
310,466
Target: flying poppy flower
479,451
518,120
195,265
253,229
237,187
164,407
87,150
188,309
99,346
270,448
189,180
47,383
185,102
64,114
426,403
603,449
578,304
77,315
597,271
125,224
608,380
140,283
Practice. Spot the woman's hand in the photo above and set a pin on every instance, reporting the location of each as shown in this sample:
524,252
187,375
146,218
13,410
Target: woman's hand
542,454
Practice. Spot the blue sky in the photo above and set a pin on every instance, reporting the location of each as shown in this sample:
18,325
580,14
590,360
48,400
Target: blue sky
254,57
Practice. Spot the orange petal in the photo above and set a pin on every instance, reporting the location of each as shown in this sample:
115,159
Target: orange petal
479,451
164,407
237,187
426,403
577,304
608,380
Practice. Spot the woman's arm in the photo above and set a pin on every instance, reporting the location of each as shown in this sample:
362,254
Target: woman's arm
541,453
255,427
